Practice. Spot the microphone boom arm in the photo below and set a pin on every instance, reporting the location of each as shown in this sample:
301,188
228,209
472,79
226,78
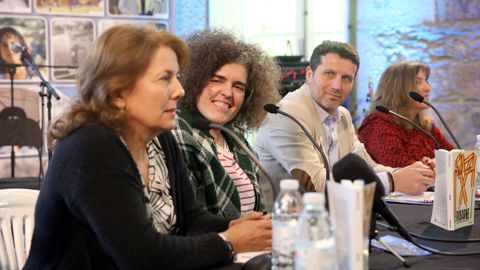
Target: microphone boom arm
388,111
327,174
444,124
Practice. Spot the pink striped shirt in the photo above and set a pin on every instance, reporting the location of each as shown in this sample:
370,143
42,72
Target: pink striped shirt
240,180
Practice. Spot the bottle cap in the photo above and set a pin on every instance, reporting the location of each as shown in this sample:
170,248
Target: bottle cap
315,198
289,184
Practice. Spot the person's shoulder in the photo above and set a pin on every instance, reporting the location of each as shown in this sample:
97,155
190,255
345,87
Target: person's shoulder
90,135
377,120
344,111
378,117
95,130
297,102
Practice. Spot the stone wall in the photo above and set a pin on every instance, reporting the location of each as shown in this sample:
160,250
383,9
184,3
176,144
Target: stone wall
445,34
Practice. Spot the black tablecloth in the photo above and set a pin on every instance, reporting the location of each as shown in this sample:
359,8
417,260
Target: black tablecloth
416,219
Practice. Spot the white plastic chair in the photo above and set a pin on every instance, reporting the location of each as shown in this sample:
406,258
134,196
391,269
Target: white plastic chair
17,207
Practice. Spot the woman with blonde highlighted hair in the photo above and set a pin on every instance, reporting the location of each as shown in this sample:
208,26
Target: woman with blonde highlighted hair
99,206
393,142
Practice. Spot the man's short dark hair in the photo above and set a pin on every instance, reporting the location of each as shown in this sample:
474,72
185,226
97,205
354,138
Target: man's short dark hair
344,50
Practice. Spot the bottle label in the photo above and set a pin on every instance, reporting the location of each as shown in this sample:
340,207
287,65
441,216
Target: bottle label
320,254
283,244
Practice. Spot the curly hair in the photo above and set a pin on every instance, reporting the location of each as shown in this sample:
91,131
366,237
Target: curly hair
115,62
393,91
212,49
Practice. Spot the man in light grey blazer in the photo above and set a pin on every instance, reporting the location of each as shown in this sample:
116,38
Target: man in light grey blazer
286,152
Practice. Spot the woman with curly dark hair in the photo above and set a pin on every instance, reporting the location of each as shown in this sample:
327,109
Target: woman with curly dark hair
227,82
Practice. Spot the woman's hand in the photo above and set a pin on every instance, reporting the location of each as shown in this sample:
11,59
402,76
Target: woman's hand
430,162
251,216
250,234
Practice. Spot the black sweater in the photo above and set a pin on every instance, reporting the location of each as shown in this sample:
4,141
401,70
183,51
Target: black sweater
91,211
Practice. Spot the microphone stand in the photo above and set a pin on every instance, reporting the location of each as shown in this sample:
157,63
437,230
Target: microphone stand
444,123
374,235
418,98
44,84
12,70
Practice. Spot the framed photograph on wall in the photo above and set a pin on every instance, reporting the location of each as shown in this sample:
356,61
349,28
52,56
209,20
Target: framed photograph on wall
16,6
107,23
71,7
155,8
22,32
71,37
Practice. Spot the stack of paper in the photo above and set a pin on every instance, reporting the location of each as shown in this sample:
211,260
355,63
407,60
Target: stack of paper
398,197
351,210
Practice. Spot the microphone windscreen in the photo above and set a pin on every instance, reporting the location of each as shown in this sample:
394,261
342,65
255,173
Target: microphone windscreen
352,167
271,108
416,96
200,124
15,47
382,109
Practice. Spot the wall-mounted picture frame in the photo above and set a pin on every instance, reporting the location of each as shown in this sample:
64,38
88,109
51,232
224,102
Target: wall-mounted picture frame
16,6
25,128
71,38
29,33
134,8
107,23
71,7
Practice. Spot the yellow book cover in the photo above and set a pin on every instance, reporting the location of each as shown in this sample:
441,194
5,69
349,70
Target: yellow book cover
464,174
454,198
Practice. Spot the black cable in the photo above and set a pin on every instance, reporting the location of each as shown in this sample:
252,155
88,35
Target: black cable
430,249
475,240
443,252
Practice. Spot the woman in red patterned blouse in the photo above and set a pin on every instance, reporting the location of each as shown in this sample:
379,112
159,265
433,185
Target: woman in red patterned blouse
396,143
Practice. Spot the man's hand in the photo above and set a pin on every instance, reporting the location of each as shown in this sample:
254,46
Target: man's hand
413,179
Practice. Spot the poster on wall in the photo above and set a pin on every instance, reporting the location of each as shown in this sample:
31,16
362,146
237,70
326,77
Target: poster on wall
105,24
26,102
16,6
71,38
71,7
154,8
22,32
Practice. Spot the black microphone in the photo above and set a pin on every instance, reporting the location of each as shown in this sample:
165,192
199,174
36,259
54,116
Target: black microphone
15,47
28,60
204,124
271,108
352,167
417,97
387,111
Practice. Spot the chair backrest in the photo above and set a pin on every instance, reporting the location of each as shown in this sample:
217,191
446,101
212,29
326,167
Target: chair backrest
17,207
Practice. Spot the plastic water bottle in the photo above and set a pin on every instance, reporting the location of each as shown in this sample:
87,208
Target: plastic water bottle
315,241
477,150
287,209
